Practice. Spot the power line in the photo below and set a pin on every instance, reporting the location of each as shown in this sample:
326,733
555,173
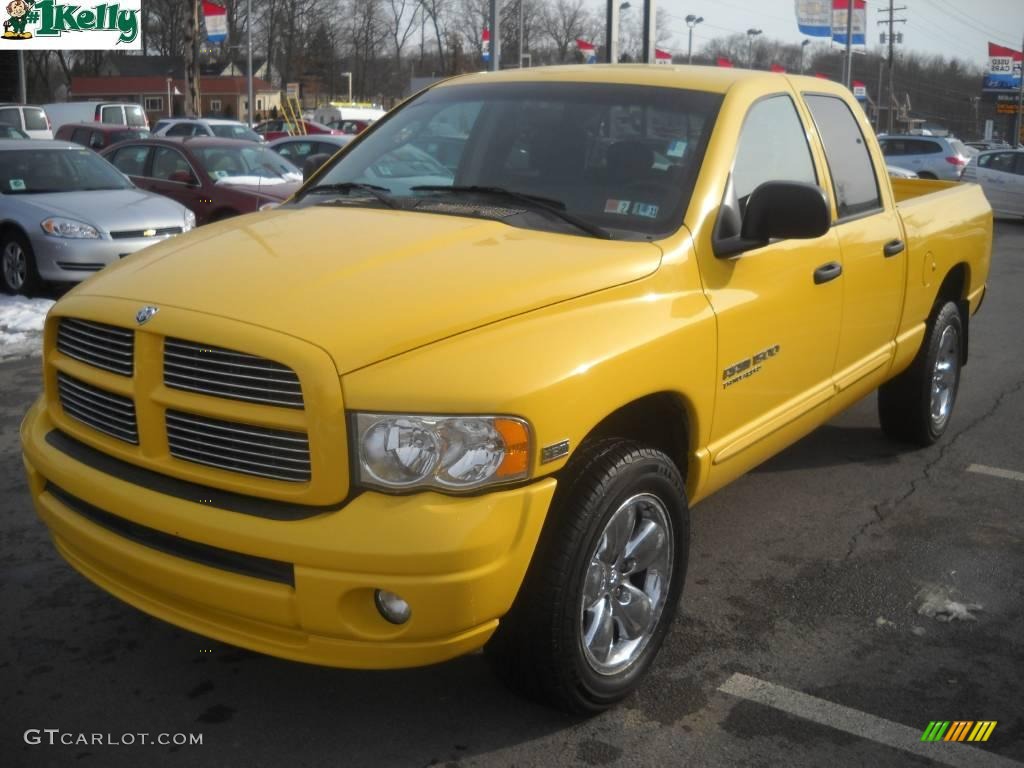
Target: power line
978,27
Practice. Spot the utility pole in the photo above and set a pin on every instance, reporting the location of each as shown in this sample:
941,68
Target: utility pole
611,30
495,37
891,21
650,33
1020,104
848,68
248,26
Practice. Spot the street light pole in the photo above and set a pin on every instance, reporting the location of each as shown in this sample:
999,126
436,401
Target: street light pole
803,45
691,22
520,65
1020,104
751,34
349,76
248,25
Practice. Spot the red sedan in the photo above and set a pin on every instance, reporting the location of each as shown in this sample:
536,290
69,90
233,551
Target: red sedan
276,129
215,178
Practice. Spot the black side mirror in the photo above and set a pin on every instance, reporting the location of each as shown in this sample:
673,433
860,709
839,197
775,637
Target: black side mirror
786,209
775,210
312,164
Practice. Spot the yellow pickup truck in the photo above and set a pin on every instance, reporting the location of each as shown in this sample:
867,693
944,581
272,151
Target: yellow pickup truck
461,391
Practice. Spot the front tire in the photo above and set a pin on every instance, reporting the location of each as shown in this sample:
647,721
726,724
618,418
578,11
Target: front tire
604,582
18,272
915,407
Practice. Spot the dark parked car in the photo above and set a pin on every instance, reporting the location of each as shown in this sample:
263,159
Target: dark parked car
297,149
215,178
99,135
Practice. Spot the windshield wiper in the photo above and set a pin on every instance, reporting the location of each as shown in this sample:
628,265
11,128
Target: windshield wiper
347,187
552,206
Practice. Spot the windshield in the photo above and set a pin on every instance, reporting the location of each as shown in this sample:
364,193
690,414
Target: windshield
234,132
621,157
34,171
245,165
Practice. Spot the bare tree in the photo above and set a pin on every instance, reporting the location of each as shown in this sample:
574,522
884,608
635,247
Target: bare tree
401,17
564,22
164,24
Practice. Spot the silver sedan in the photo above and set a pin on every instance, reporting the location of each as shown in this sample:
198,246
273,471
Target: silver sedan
66,213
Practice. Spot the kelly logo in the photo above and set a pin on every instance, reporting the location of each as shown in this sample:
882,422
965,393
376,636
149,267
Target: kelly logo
50,24
959,730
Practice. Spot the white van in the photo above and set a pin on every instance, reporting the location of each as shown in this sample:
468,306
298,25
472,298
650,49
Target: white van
32,120
335,112
113,112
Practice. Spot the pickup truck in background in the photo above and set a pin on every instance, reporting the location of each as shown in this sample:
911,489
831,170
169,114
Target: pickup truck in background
415,412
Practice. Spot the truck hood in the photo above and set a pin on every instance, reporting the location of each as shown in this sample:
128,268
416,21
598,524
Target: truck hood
364,283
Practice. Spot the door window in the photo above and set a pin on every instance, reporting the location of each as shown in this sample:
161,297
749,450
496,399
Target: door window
112,115
181,129
1003,161
846,150
772,147
35,119
131,160
170,165
10,116
135,116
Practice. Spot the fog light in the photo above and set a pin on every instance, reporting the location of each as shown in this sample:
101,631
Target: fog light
392,607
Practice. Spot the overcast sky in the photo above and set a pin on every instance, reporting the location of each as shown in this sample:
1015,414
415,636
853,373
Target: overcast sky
948,27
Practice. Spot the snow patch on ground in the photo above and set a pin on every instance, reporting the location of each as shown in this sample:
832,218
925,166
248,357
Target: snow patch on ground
937,603
21,325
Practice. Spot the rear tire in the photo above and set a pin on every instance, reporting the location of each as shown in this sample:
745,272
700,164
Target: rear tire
604,582
916,406
927,175
18,273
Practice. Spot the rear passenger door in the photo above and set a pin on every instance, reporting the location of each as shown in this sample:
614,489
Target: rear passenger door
870,238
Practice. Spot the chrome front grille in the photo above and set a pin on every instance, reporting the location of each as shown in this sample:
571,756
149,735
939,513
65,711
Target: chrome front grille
225,373
100,345
138,233
104,411
274,453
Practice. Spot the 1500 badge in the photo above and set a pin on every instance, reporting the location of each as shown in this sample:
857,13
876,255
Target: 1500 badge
747,368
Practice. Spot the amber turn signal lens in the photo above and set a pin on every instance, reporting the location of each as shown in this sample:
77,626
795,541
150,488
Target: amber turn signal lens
517,448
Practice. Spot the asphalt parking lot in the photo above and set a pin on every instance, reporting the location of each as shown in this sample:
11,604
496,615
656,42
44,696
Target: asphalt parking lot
800,641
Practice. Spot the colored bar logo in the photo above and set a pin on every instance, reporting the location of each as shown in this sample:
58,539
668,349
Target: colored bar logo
959,730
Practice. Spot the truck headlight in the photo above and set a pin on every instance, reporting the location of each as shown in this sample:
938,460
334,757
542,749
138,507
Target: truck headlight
450,453
59,227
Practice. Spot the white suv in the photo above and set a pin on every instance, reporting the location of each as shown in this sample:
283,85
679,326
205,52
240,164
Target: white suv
223,129
930,157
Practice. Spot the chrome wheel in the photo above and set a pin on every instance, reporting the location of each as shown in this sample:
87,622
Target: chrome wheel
15,266
945,376
626,585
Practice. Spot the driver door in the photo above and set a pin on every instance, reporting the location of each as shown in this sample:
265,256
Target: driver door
778,307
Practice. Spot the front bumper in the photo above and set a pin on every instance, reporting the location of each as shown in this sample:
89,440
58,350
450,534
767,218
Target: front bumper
72,259
457,561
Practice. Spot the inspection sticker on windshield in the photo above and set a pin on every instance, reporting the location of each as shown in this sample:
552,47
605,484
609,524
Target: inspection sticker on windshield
18,185
617,206
647,210
676,149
